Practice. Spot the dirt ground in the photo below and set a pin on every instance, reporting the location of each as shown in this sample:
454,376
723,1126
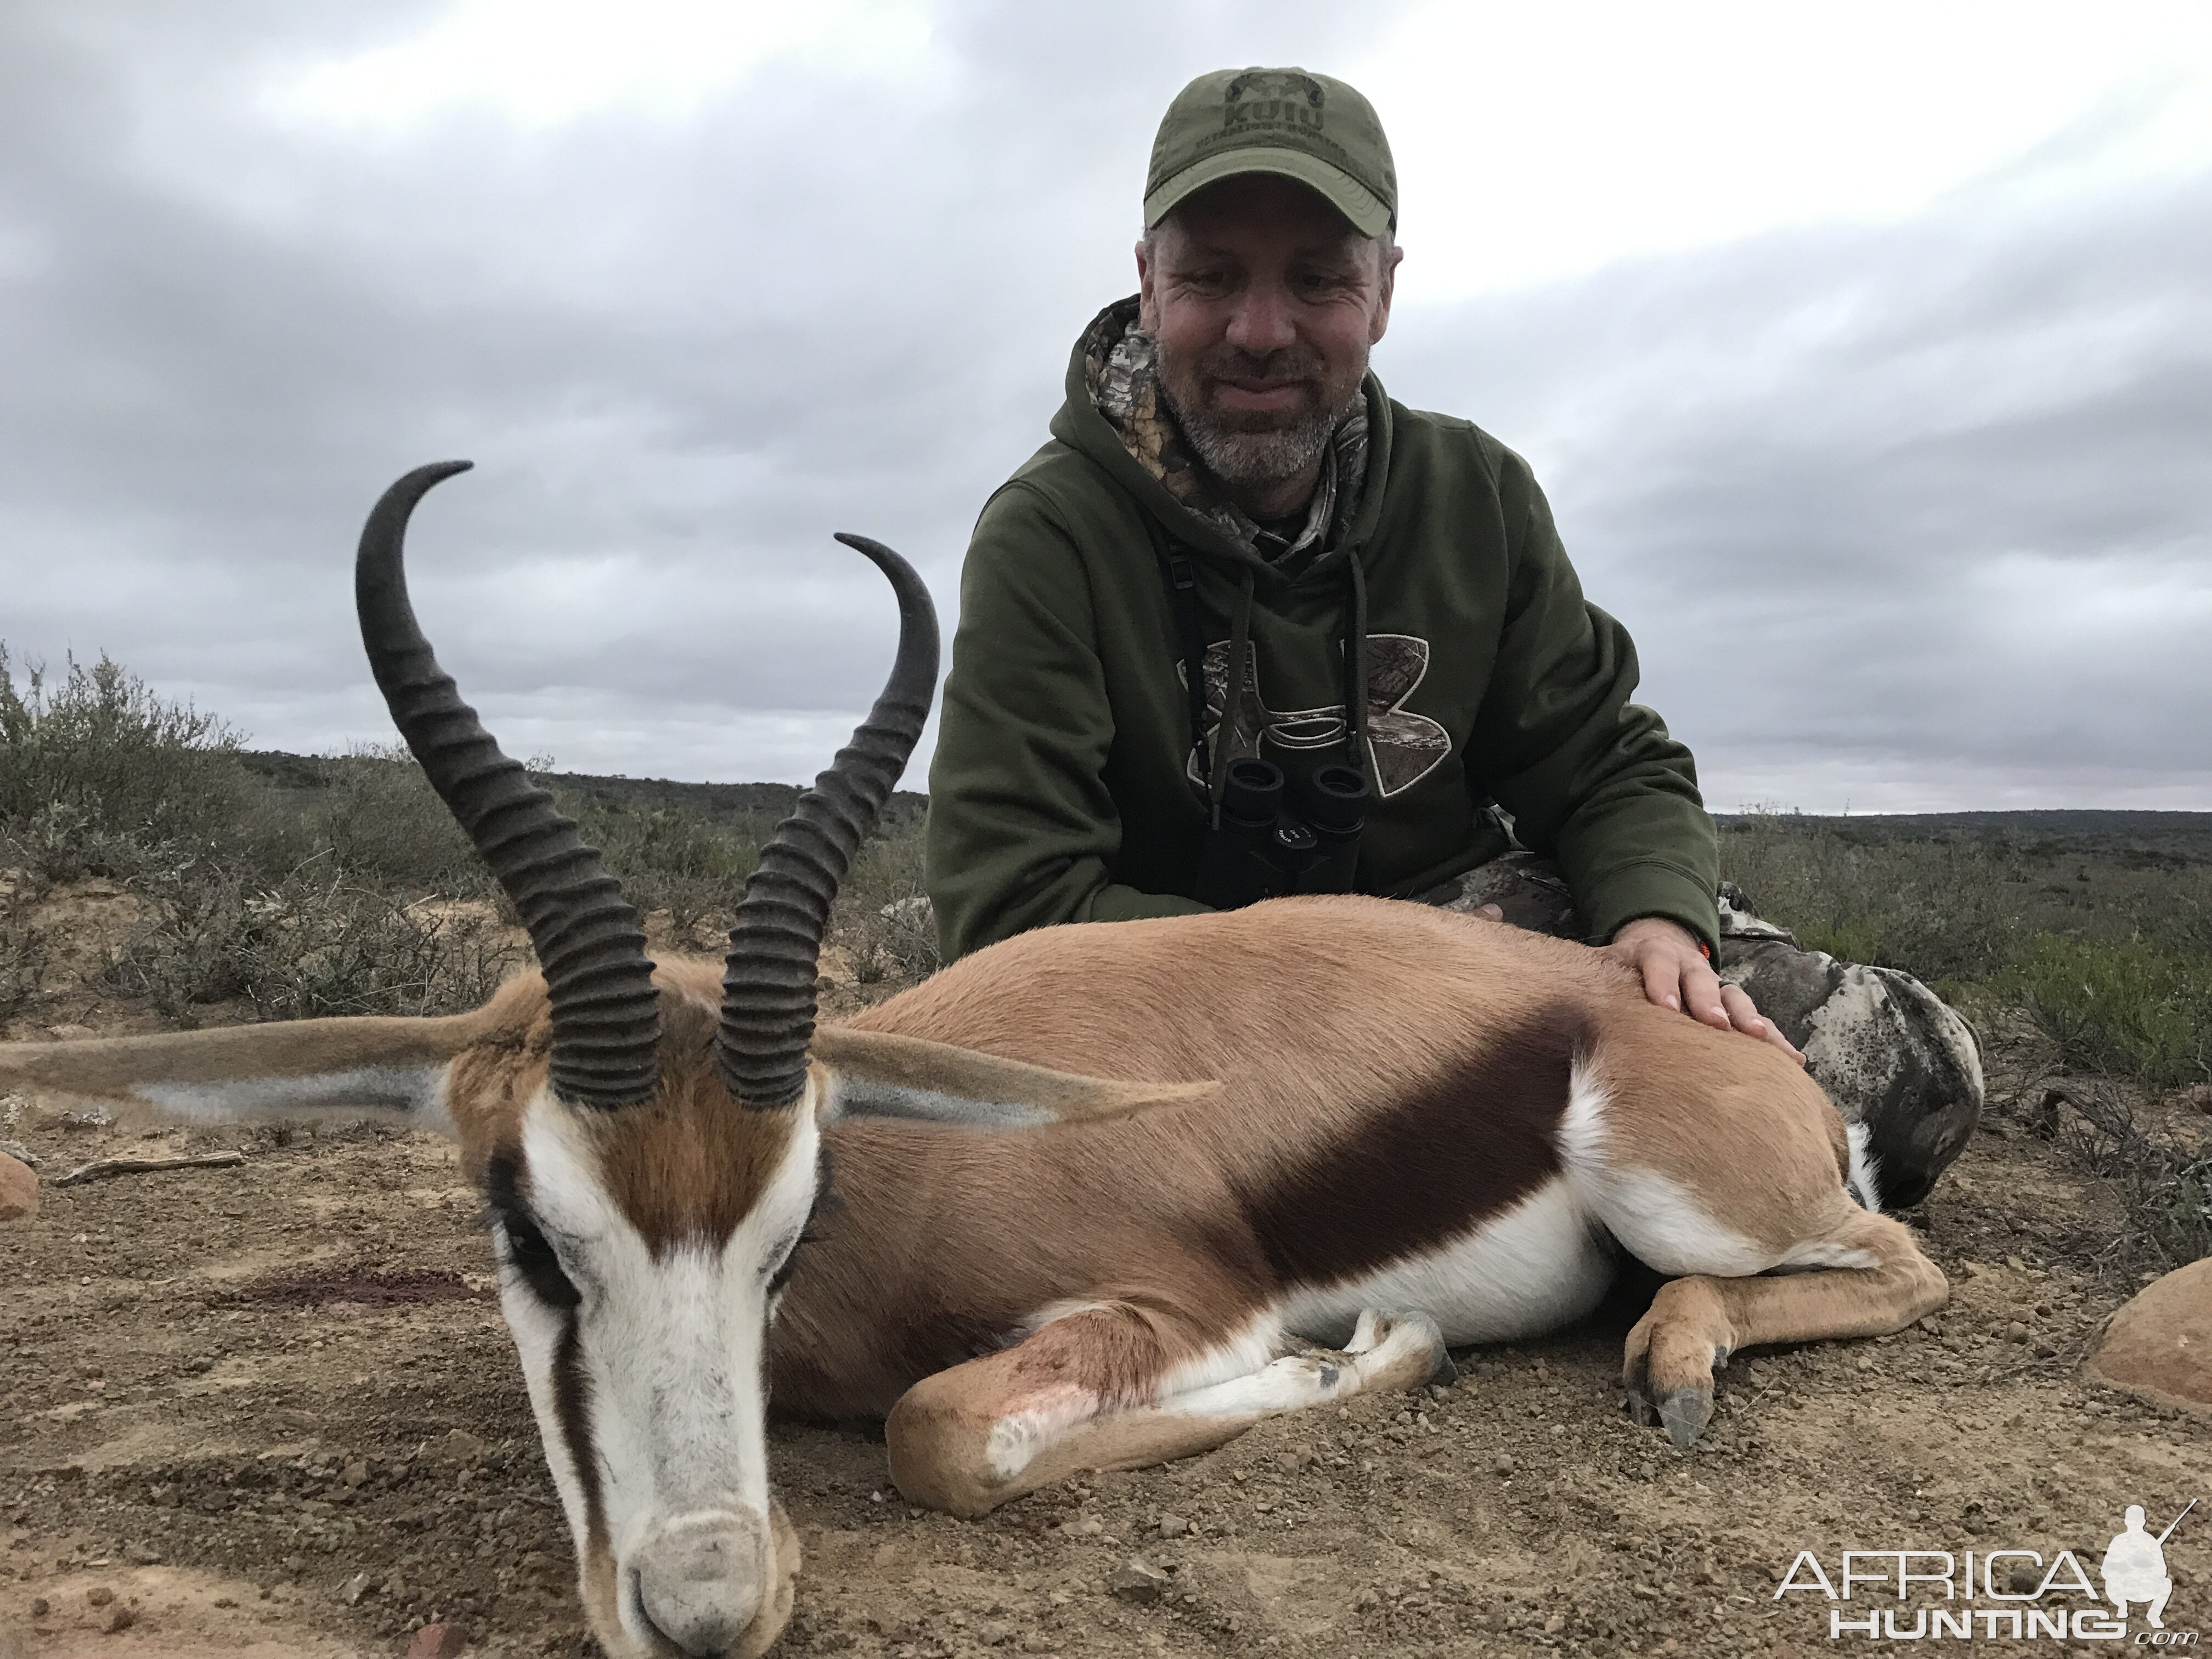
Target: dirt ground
271,1410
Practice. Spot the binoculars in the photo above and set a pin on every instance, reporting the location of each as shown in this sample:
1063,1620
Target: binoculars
1261,845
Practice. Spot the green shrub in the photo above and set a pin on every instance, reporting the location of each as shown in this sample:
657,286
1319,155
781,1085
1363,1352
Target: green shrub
2130,1010
378,819
315,943
126,765
667,859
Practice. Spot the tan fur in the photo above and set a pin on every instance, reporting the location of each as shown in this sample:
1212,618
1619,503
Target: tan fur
1130,1236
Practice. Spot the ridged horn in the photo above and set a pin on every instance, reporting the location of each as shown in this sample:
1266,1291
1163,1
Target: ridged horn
767,989
605,1012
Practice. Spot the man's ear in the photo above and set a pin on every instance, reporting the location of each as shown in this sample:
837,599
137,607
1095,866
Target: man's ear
1389,281
1148,310
880,1074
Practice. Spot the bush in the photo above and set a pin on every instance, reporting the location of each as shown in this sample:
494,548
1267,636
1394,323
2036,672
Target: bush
378,819
314,943
2127,1010
670,860
124,765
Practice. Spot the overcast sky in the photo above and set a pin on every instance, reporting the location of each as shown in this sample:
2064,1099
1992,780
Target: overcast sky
1865,350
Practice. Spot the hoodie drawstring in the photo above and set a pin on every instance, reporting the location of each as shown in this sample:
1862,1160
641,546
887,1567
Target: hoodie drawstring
1355,669
1232,701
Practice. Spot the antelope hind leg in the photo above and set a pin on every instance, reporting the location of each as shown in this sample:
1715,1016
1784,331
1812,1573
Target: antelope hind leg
1699,1321
1063,1401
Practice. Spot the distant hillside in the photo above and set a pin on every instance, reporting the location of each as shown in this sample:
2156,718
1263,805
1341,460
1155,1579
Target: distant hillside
2179,836
736,806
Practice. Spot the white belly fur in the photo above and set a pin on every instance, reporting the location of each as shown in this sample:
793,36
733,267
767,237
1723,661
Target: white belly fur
1534,1267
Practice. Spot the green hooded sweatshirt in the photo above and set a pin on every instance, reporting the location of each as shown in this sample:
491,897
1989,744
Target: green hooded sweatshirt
1067,788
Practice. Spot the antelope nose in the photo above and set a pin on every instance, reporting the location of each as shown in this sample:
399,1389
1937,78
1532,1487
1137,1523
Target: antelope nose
700,1578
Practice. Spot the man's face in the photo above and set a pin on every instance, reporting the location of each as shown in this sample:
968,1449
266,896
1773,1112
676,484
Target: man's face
1264,301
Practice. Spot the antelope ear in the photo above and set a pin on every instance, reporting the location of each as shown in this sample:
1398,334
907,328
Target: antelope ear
880,1074
337,1068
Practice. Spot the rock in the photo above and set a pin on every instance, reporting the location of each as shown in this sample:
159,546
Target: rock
22,1154
1084,1526
1502,1463
98,1597
2160,1344
1173,1526
141,1555
2015,1332
18,1190
68,1033
355,1588
995,1632
443,1640
458,1446
120,1619
356,1472
1138,1580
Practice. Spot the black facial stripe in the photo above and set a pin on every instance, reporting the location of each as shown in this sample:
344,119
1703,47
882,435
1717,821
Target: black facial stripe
523,1243
572,1409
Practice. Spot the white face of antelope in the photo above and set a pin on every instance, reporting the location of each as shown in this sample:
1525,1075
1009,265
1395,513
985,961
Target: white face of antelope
641,1332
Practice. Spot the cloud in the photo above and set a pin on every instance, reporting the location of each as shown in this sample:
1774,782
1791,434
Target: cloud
1904,500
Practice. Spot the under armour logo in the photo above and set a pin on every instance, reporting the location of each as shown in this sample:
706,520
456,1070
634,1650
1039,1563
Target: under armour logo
1402,748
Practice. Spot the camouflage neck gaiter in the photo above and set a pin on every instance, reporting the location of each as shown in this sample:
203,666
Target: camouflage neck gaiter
1122,364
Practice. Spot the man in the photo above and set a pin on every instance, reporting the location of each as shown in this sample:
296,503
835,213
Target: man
1229,496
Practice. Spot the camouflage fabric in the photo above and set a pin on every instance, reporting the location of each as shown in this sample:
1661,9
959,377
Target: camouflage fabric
1122,363
1889,1052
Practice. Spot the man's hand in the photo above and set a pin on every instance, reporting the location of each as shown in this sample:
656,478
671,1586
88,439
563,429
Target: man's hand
1676,975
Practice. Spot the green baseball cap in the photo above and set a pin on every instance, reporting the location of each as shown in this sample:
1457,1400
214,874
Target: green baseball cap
1307,127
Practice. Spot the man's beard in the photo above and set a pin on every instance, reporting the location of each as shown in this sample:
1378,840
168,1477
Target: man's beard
1254,448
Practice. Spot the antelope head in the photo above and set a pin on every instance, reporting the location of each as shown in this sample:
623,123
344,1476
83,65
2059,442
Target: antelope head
647,1139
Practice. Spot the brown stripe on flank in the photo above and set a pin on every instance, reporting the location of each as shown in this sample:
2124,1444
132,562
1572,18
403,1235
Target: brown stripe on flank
1429,1166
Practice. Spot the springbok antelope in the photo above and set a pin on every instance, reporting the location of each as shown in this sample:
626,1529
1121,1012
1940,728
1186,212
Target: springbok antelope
1097,1186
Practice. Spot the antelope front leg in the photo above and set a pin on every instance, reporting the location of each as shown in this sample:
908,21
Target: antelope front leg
1096,1390
1695,1324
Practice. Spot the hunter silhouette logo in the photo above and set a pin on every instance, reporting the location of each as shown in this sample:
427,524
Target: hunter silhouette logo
1402,748
2134,1566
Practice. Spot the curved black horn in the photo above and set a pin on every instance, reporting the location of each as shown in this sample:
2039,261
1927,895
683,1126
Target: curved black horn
606,1020
768,990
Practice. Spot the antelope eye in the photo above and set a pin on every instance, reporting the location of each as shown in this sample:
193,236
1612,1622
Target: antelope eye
529,1254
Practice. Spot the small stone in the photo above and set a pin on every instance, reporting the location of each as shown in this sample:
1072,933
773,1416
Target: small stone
1138,1580
1555,1624
2016,1264
120,1619
2015,1332
1037,1642
19,1189
1173,1526
98,1597
458,1446
295,1565
1084,1526
68,1033
994,1633
141,1555
443,1640
355,1588
40,1607
1866,1362
356,1472
1502,1463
